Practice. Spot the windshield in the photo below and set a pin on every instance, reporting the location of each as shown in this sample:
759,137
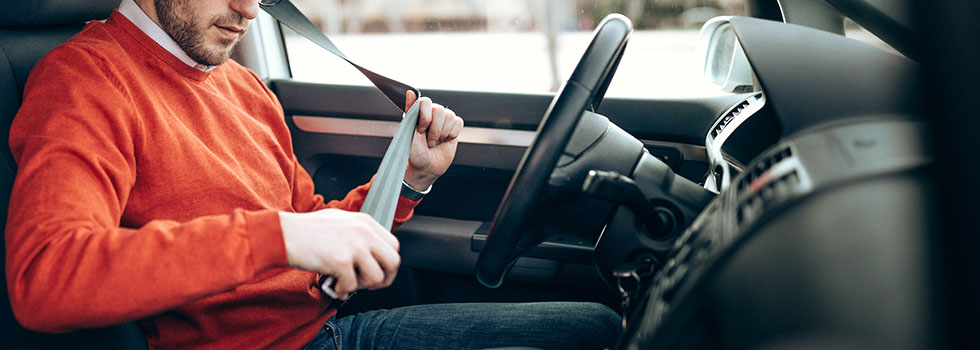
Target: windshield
525,46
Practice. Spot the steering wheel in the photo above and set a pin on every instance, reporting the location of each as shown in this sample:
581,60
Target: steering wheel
585,88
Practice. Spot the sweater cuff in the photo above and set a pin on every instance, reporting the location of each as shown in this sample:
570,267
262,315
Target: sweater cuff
265,239
405,209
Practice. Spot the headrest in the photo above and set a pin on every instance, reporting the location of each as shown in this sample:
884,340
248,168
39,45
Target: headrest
52,12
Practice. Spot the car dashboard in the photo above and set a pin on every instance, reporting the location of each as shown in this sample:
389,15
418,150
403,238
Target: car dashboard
738,136
813,237
778,190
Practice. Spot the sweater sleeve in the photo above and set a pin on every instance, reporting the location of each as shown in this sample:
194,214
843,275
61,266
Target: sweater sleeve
305,198
69,263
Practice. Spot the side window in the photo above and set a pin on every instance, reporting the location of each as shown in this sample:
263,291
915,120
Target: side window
526,46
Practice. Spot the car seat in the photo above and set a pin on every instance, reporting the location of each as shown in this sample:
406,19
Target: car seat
29,29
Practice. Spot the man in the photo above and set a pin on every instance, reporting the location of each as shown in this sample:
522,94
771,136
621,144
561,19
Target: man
157,183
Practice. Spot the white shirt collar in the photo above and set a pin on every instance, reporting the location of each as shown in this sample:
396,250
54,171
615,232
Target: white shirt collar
135,14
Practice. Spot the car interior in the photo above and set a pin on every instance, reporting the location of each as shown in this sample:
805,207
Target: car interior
822,203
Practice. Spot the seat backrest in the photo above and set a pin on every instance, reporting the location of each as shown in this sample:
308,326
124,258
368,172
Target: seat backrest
29,29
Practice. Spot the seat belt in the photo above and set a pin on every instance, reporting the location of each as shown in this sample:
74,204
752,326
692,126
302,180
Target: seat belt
382,197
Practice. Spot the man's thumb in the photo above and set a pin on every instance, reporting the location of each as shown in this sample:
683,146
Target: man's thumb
409,99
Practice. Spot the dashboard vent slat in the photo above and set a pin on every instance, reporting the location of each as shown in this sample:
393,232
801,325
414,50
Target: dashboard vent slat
758,194
731,115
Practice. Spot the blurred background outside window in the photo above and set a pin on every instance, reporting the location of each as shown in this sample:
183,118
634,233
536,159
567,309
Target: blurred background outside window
526,46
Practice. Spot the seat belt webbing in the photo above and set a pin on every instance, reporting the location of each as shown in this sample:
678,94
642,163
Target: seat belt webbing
382,197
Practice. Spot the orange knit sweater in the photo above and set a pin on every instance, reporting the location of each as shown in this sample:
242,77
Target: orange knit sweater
149,190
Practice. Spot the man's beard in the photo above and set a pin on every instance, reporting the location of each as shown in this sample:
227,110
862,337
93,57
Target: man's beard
178,19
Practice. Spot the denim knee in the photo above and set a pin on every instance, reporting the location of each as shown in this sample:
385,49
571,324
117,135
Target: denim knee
587,325
607,323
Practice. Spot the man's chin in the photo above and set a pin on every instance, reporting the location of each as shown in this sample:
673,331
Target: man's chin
215,55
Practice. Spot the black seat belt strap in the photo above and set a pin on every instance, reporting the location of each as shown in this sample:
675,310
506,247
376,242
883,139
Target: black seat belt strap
382,197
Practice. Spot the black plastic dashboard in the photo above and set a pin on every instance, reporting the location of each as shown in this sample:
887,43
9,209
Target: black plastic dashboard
815,238
809,77
763,236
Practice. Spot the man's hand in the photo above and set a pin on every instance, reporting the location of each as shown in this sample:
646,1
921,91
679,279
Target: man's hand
349,246
434,145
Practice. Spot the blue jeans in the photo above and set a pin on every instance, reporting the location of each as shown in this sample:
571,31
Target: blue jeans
550,325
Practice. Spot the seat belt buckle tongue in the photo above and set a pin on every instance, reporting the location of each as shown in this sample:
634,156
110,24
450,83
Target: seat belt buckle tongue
327,285
377,203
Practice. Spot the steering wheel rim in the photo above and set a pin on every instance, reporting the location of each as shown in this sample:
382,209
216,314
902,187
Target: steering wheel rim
585,88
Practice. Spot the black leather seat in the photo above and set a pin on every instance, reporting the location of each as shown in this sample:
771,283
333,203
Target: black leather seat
28,30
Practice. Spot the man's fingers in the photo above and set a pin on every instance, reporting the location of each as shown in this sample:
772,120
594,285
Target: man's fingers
346,281
369,271
389,262
380,231
439,124
389,278
351,248
438,120
457,128
409,99
390,239
383,258
447,126
425,113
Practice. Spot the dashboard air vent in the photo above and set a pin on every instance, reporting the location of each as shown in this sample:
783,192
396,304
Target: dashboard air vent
727,119
768,183
762,166
767,197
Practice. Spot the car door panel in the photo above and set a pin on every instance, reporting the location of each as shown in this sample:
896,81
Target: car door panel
683,120
340,133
